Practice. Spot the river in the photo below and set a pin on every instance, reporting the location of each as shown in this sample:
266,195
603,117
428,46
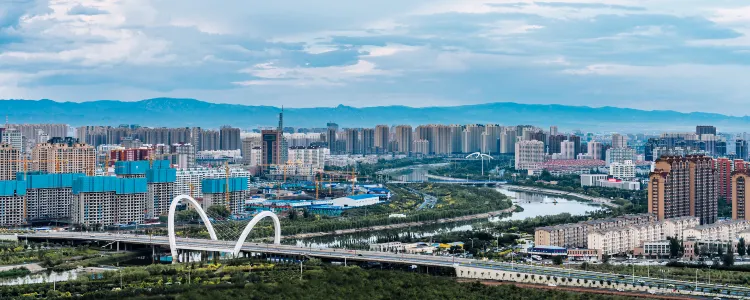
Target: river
534,205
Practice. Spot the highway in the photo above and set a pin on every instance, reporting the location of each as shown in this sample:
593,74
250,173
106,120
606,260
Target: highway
386,257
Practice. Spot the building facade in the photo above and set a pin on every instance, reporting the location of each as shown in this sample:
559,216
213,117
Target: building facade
683,186
529,155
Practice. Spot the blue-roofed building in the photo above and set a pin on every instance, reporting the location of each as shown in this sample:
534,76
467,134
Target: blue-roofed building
161,179
12,193
131,169
108,200
236,188
49,196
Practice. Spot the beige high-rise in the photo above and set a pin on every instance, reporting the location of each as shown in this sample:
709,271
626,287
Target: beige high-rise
9,162
61,158
683,186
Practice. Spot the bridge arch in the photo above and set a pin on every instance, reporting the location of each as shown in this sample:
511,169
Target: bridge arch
249,227
170,222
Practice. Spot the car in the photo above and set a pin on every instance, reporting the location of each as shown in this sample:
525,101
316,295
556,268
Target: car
652,292
717,298
620,290
641,281
92,235
551,284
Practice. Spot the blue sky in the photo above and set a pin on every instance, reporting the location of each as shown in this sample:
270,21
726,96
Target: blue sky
685,55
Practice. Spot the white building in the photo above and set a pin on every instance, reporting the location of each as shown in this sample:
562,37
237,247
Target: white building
591,179
719,231
567,150
13,137
529,155
194,176
356,200
624,170
619,155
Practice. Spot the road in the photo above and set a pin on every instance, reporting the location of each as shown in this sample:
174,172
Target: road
401,258
402,225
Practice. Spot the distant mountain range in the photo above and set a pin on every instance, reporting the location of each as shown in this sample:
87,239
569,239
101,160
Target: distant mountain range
170,112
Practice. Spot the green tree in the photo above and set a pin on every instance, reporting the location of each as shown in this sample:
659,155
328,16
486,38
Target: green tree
558,260
696,250
741,248
728,259
674,247
719,250
218,211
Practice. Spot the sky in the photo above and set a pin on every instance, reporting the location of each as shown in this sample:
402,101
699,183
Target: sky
684,55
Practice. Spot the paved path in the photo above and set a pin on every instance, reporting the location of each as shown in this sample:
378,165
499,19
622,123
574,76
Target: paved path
33,267
401,225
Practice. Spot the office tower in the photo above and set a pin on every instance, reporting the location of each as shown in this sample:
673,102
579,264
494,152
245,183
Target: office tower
368,141
619,155
160,178
229,138
595,150
216,190
471,140
552,130
333,128
13,137
248,144
12,195
353,145
529,155
108,201
49,196
554,143
724,179
403,140
64,157
210,140
721,148
619,141
422,147
507,142
741,149
705,129
10,162
567,150
382,138
183,155
270,148
683,186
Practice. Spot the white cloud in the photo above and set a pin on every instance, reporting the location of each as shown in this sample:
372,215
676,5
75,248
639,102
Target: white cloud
269,74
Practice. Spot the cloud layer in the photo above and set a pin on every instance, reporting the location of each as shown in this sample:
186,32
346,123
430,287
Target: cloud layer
648,54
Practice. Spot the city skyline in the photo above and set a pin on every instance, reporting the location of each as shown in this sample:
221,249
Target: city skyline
637,54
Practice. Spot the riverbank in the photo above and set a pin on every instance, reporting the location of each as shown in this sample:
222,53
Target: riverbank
403,225
598,200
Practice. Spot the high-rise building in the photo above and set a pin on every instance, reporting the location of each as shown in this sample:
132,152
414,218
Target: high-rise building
624,170
552,130
529,155
353,145
508,141
741,149
105,201
724,179
740,205
160,178
619,155
13,137
554,143
567,150
705,129
10,162
595,150
619,141
230,138
403,139
270,148
49,196
683,186
490,138
249,143
333,128
577,143
64,157
368,141
12,196
421,147
457,132
183,155
218,191
210,140
382,138
189,181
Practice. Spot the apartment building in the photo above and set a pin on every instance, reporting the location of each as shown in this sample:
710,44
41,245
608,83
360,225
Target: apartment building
622,239
64,157
529,155
160,180
189,181
624,170
576,235
10,162
722,231
108,200
214,193
683,186
49,196
12,195
740,207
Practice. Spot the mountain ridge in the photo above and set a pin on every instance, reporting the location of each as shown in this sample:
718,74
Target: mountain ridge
186,112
